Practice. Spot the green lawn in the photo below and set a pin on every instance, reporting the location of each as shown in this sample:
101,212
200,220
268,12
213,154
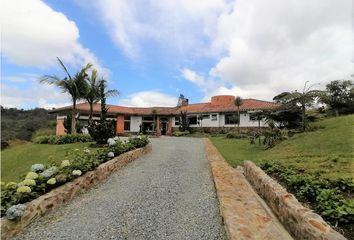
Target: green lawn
328,151
18,159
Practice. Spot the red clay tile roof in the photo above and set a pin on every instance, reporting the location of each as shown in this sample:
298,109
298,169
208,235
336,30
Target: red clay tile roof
248,104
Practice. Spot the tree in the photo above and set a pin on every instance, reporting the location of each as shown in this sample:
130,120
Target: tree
238,103
339,96
74,85
183,122
93,95
102,130
258,116
154,124
303,100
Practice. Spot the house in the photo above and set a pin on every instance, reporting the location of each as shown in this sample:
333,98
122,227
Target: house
211,116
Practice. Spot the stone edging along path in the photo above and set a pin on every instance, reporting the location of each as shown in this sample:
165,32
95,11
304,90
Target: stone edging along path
68,191
245,215
300,221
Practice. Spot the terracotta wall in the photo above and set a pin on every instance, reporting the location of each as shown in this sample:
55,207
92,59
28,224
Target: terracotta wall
120,125
60,130
222,100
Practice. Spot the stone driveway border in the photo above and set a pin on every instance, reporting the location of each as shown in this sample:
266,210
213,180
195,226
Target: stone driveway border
245,214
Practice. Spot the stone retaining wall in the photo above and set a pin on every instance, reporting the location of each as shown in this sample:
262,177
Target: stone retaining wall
300,221
66,192
245,215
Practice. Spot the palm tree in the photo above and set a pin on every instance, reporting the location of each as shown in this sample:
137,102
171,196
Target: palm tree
238,103
73,85
303,99
93,95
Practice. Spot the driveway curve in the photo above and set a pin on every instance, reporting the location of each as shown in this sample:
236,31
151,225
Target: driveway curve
167,194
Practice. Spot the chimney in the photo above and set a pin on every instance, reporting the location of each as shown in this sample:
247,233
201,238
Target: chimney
182,101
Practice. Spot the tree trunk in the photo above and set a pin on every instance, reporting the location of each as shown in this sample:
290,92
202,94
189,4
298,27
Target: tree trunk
303,118
336,111
259,131
91,113
238,122
73,119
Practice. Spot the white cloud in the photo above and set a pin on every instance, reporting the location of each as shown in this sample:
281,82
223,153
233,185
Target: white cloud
33,34
281,48
34,95
178,26
149,99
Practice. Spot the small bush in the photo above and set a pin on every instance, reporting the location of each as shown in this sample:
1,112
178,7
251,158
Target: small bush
101,131
4,144
65,139
43,132
236,135
180,134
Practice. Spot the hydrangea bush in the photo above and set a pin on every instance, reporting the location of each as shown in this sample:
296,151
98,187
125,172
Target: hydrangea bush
42,179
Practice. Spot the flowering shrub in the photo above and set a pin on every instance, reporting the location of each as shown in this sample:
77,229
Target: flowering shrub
15,211
110,154
65,163
52,181
24,189
49,172
65,139
28,182
31,175
76,173
42,179
37,167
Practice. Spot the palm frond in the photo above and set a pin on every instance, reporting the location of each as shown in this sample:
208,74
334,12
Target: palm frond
112,93
64,67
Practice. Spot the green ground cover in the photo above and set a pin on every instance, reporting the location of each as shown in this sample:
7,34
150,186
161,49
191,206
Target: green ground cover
18,159
328,151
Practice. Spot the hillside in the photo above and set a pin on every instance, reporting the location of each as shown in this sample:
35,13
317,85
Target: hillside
21,124
328,150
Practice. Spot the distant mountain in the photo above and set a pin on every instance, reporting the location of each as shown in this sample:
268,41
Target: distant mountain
21,124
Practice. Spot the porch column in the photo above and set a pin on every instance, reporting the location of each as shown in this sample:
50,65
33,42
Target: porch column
60,129
169,127
158,129
120,125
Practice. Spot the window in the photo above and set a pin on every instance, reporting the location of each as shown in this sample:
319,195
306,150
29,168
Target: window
253,117
214,117
193,120
126,123
231,119
147,119
206,116
176,121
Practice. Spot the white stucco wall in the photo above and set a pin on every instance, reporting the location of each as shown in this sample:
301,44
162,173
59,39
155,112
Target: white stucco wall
244,121
135,122
220,122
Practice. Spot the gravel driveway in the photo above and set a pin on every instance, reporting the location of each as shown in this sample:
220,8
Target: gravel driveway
167,194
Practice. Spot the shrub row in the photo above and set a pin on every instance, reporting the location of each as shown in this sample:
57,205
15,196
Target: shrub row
236,135
64,139
42,178
180,134
326,197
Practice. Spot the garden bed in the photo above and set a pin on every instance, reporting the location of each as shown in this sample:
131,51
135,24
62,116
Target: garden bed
47,190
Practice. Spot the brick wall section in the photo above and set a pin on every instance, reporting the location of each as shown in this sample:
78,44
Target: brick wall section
67,192
60,129
120,125
300,221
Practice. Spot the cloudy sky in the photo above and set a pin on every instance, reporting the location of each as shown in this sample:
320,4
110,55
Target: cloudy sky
154,50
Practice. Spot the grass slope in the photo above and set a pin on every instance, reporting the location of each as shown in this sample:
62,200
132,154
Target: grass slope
328,151
18,159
